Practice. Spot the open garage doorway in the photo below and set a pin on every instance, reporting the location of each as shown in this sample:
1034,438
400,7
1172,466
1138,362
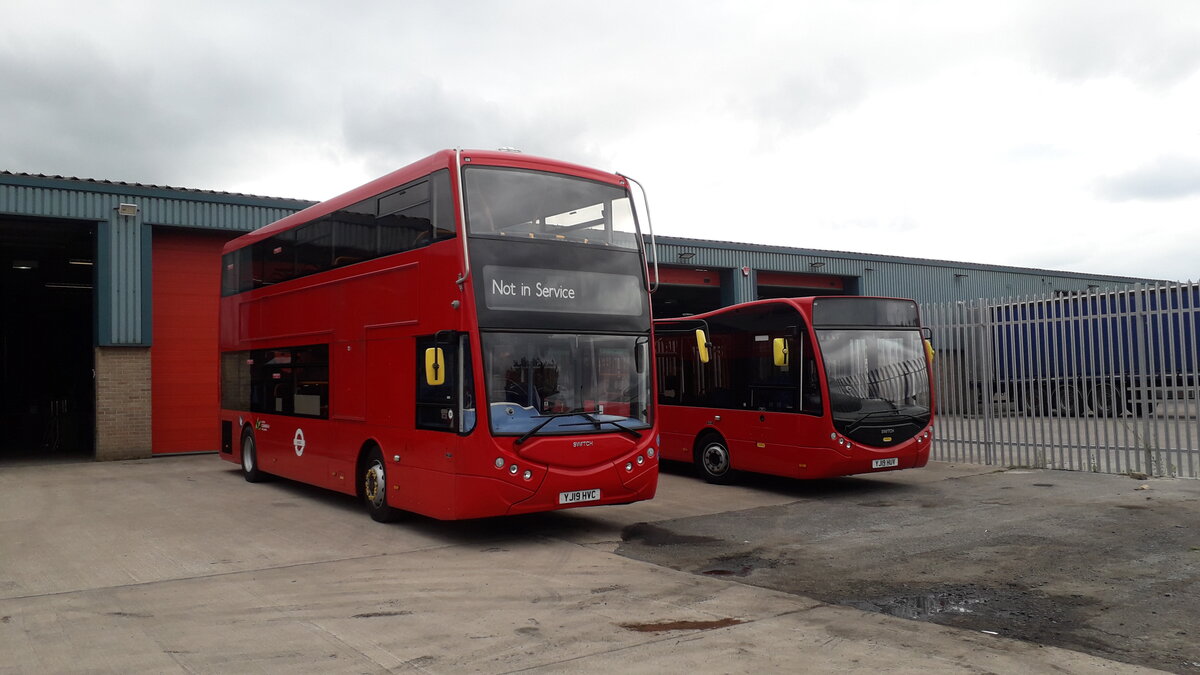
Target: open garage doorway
47,391
795,285
687,291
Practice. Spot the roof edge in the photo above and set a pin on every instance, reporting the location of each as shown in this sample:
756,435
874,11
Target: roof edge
145,190
883,257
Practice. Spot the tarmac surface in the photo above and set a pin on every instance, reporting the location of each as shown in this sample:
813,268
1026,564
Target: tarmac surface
176,564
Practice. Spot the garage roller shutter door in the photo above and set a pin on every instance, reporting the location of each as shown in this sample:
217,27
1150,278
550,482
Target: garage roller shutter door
183,358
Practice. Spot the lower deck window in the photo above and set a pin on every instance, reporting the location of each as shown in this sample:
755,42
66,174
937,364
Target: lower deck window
281,381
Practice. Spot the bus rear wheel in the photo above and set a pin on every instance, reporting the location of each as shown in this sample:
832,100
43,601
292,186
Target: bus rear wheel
713,461
373,487
250,470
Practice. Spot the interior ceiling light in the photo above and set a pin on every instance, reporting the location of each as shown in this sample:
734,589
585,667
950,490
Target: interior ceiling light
25,264
79,261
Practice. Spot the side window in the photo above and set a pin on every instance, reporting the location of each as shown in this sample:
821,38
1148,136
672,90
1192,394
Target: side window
235,380
810,378
443,206
772,387
275,259
436,404
311,394
669,371
467,423
354,236
314,247
236,272
271,373
405,218
286,381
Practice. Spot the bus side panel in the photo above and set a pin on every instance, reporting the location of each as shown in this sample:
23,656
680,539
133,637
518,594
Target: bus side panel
777,439
679,427
682,426
429,493
296,448
481,496
743,434
288,316
348,398
379,300
391,381
314,445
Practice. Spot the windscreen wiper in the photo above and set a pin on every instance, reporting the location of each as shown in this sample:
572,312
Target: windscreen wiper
547,418
588,416
892,413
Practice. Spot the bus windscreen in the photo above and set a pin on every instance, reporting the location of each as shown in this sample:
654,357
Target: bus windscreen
531,204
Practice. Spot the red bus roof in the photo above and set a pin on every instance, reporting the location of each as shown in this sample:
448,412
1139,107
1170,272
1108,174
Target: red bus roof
438,160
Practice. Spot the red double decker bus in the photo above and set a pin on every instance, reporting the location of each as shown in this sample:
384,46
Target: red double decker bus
468,336
798,387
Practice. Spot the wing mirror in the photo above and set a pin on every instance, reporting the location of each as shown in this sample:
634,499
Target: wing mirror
435,366
702,345
779,350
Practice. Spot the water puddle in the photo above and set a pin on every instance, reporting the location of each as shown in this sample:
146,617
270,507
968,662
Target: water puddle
664,626
653,535
926,606
738,566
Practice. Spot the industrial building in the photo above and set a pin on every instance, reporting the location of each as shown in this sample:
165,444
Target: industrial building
109,298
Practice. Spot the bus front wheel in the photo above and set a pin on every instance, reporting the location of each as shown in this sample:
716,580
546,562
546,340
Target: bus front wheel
713,461
373,486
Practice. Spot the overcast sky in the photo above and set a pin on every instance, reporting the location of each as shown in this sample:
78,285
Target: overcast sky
1061,135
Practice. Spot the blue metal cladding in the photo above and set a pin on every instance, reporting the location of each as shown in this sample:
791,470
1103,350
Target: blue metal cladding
124,243
869,274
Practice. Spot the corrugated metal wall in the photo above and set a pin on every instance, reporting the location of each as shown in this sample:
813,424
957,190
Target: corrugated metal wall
124,243
922,280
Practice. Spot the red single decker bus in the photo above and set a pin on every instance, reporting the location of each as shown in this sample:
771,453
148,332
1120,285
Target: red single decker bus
468,336
798,387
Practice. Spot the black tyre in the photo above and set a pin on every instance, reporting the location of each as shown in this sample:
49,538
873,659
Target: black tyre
1108,400
373,484
1069,401
1034,400
250,469
713,461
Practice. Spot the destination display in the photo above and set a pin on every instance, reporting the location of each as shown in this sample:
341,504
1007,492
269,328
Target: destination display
528,289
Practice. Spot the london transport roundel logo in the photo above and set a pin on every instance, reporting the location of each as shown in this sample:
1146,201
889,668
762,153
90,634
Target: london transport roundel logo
298,442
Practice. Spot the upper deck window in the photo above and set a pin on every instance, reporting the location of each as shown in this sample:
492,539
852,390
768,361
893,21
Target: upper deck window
403,219
532,204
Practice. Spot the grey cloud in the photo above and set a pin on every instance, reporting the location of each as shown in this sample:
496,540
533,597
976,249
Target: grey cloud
82,113
807,98
1098,38
409,123
1164,179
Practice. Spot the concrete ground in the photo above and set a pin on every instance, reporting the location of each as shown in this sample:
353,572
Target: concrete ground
177,565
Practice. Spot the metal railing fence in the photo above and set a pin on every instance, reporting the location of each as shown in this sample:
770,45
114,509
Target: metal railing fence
1105,381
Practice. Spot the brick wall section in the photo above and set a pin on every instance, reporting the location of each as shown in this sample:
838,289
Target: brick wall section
122,403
